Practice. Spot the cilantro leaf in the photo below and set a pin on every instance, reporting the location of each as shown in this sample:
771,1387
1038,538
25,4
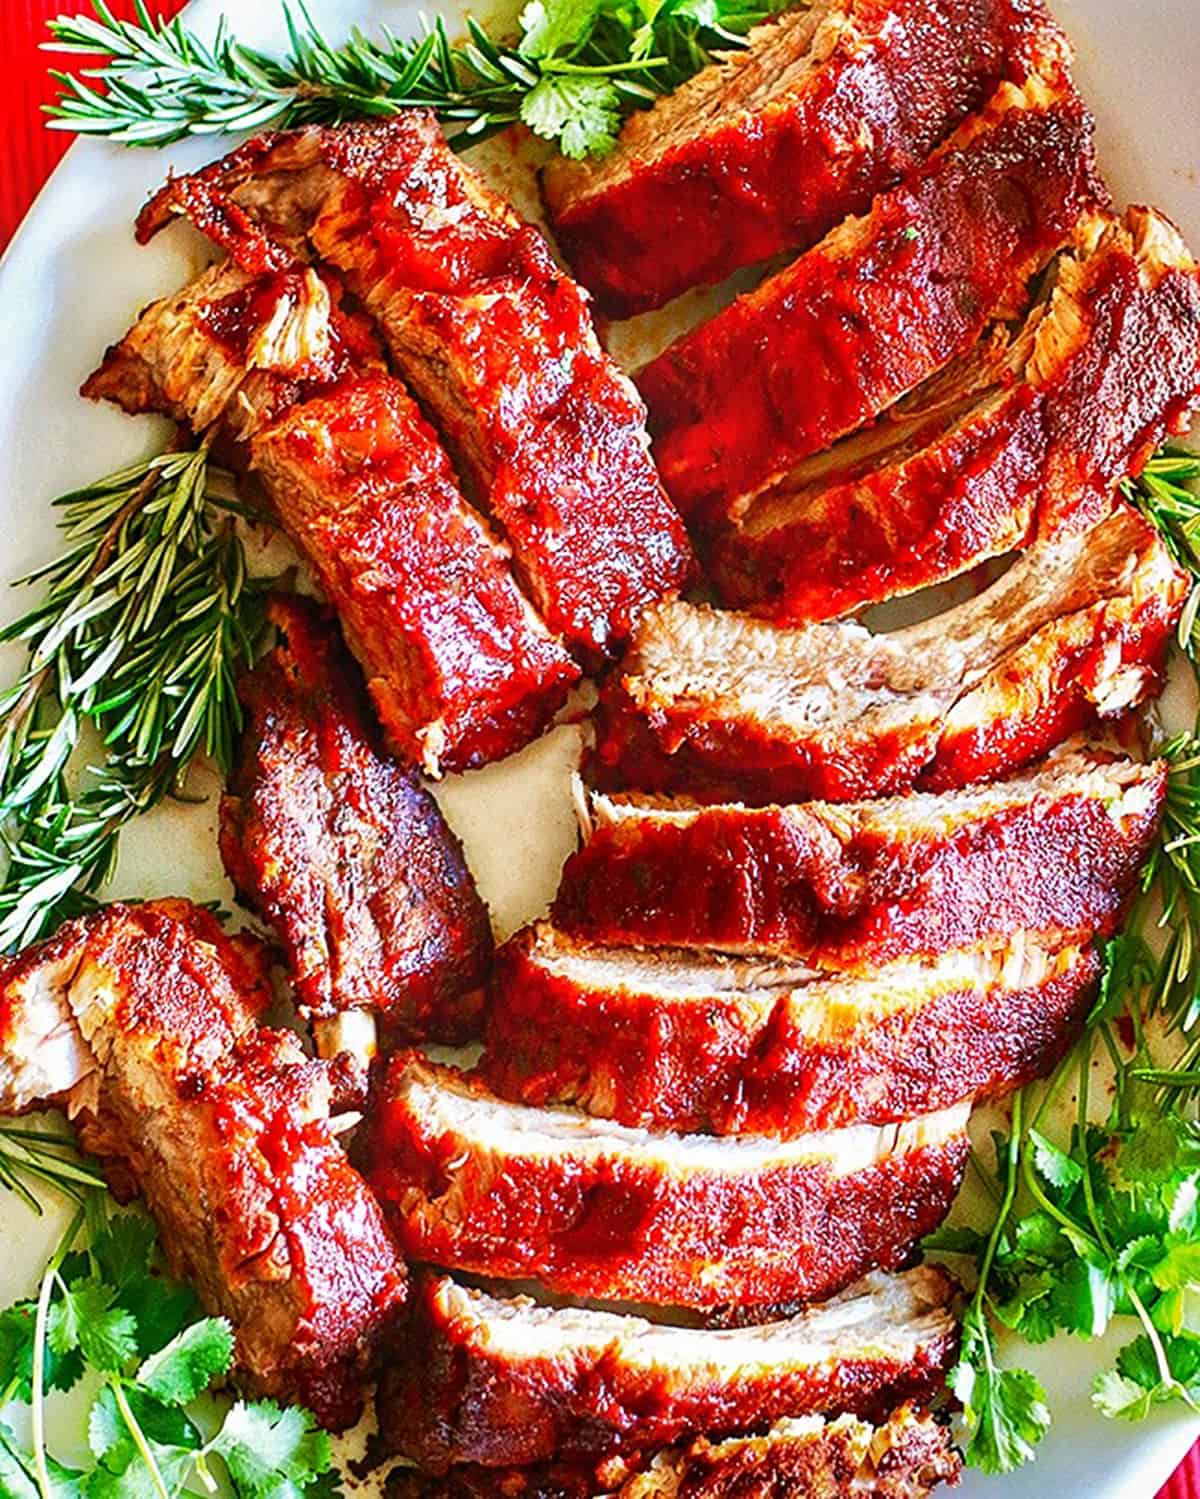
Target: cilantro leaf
189,1363
1119,1398
581,113
62,1370
552,26
1054,1165
105,1334
1160,1151
271,1453
1005,1410
17,1477
111,1440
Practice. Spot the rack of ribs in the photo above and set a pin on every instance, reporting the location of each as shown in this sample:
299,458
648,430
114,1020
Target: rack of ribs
224,1128
905,1456
694,1042
1054,851
493,338
722,705
471,1182
880,305
1023,438
461,669
342,849
485,1379
769,148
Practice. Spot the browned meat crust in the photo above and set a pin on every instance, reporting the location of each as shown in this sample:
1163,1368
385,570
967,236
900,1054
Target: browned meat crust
1054,852
694,1042
461,669
344,851
494,339
770,148
722,706
904,1457
224,1128
880,305
1012,445
477,1379
598,1210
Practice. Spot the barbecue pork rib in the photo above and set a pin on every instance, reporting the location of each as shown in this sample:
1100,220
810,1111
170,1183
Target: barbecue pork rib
695,1042
473,1183
772,146
481,1379
494,339
724,706
848,886
881,304
231,351
224,1128
1017,441
459,666
801,1457
343,850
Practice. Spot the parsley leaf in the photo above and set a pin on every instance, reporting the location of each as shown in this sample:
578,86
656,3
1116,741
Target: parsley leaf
582,114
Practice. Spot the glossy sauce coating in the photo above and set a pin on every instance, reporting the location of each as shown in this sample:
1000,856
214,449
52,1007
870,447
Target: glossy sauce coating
777,1061
710,179
460,668
448,1396
879,306
1043,455
343,850
618,1228
848,893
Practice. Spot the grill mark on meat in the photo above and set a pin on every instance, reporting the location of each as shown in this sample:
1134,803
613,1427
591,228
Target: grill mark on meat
343,850
594,1209
692,1042
496,341
772,146
492,1381
1030,444
722,706
848,886
877,307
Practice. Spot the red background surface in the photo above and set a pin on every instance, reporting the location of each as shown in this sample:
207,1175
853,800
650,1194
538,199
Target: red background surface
28,152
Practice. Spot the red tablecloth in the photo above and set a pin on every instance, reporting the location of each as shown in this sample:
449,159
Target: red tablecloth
29,152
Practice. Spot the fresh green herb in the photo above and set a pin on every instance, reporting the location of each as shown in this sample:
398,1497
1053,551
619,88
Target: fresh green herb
575,70
110,1311
144,623
43,1156
1106,1222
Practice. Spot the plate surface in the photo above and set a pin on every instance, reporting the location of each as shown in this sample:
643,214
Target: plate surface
72,281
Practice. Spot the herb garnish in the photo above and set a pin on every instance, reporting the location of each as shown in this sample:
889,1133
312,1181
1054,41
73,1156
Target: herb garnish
1106,1222
577,68
109,1311
146,620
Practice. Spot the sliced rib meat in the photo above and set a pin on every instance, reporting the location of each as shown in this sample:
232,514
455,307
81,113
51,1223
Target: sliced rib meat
496,1381
494,339
343,850
691,1041
595,1209
1016,442
1055,851
881,304
769,148
721,705
461,669
801,1457
224,1129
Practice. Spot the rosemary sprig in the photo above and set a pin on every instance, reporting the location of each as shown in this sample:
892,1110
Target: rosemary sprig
44,1157
145,622
577,67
